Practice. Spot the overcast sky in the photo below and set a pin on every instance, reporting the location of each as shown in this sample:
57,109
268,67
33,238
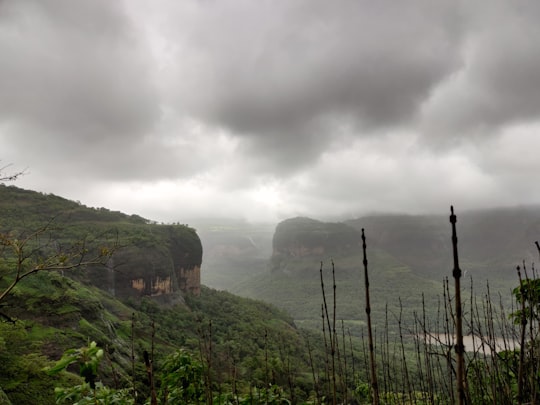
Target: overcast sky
270,109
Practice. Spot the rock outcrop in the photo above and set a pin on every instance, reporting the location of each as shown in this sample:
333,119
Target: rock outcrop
153,259
301,237
168,261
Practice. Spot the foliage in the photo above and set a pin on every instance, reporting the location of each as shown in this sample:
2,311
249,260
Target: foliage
182,379
88,359
224,349
21,366
91,391
84,394
528,294
21,258
297,233
182,382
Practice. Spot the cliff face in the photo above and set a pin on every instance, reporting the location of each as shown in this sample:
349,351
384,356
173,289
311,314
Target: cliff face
302,237
153,260
169,260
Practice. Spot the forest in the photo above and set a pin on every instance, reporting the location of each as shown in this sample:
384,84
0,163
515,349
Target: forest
372,332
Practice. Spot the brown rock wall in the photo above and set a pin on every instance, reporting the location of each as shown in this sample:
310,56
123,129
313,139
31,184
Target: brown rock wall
189,279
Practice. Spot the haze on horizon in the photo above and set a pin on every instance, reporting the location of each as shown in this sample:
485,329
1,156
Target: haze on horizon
268,110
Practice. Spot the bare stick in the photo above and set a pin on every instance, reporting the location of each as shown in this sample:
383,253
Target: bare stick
460,348
374,383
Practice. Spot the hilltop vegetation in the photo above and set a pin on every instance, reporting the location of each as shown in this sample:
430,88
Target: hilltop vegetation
409,258
54,313
492,241
103,342
148,257
50,312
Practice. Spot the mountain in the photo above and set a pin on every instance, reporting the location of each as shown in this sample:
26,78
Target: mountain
142,301
147,299
491,242
149,259
409,257
304,237
305,249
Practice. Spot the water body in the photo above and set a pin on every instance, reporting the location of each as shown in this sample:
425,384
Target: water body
473,343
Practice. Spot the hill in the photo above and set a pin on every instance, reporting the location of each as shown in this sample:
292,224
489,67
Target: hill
304,249
137,303
150,259
139,307
409,257
491,242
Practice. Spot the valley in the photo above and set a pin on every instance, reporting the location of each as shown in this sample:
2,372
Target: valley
262,312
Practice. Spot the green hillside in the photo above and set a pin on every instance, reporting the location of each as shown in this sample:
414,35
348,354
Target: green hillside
409,258
296,288
491,242
54,313
49,312
158,331
146,253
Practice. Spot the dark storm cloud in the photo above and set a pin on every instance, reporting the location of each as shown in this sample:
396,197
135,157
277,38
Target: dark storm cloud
74,78
496,86
281,107
291,71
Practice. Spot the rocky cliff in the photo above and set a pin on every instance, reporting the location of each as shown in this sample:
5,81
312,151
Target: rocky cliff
152,259
168,261
301,237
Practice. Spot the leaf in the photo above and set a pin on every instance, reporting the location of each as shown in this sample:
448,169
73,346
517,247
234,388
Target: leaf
63,363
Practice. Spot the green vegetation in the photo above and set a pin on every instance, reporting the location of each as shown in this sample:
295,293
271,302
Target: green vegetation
296,288
294,235
35,227
55,314
71,338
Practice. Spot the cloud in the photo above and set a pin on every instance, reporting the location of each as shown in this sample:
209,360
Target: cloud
495,86
74,79
285,73
271,109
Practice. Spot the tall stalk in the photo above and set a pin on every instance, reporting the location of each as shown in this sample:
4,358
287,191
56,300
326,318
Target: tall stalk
523,329
266,365
334,336
326,320
460,348
315,378
403,357
373,369
353,371
428,364
149,364
326,360
133,355
344,373
205,352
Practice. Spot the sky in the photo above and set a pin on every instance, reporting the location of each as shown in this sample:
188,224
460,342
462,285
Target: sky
269,109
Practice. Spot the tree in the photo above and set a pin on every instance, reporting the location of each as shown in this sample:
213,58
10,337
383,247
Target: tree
528,298
24,254
91,391
9,177
39,251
